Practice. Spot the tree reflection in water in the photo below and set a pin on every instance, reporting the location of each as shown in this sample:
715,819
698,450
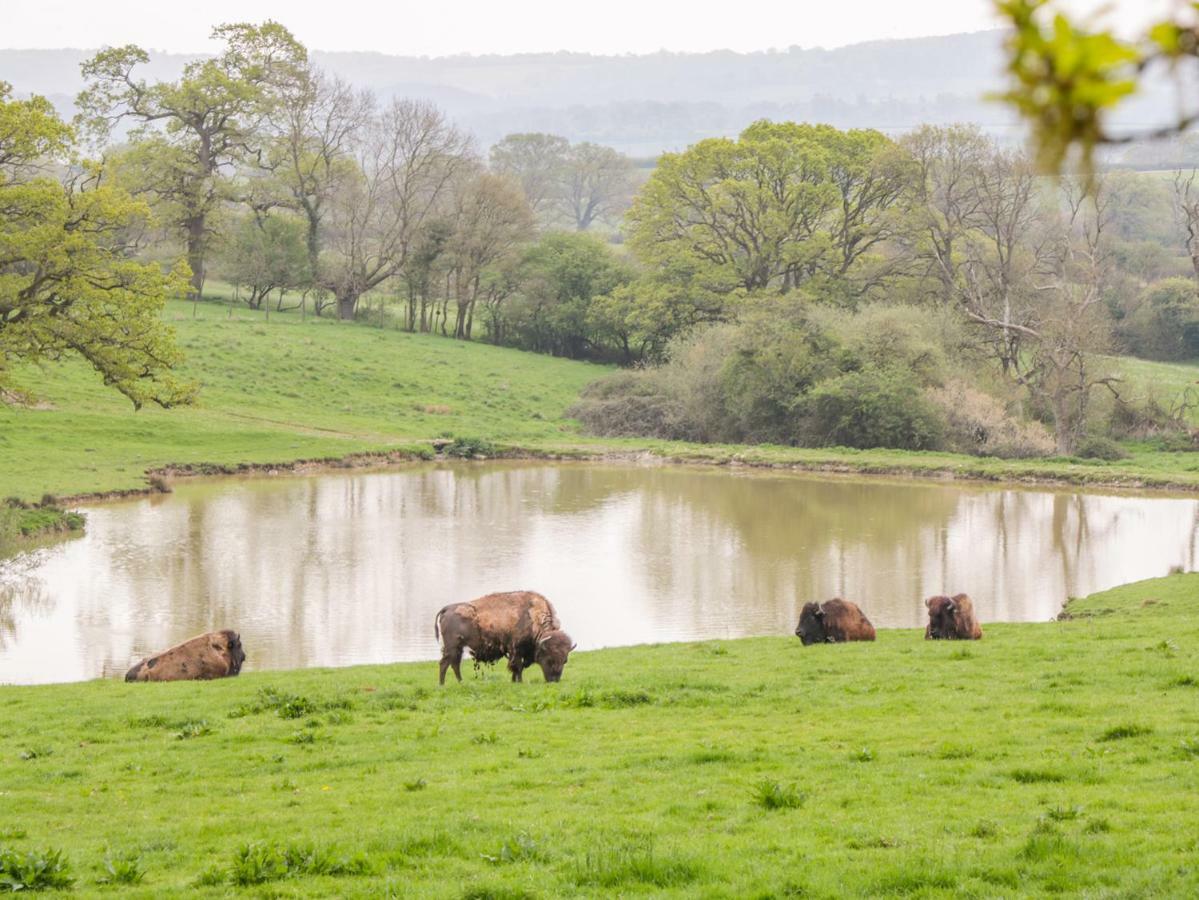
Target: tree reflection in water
349,568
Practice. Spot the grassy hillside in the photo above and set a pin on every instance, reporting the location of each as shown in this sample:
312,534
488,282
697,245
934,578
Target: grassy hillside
1048,758
280,390
277,391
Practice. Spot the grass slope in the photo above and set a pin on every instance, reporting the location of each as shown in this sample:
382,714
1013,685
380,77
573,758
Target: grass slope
280,391
283,390
1048,758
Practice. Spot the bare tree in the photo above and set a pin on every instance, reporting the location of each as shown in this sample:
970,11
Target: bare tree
597,182
537,161
946,158
1186,211
491,220
405,164
1027,273
315,126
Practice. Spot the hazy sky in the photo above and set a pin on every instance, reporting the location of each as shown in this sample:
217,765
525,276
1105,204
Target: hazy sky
441,27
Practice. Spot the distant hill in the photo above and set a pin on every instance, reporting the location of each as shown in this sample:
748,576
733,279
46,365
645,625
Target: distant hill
660,101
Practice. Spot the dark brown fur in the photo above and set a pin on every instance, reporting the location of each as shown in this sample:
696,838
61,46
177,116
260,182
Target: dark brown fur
834,621
520,625
951,619
218,654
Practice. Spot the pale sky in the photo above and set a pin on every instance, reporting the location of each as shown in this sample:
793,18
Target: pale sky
444,27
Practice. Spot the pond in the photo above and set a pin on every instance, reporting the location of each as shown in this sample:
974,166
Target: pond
338,569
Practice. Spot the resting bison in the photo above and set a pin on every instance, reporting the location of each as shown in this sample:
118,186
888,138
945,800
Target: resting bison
218,654
520,625
951,619
833,622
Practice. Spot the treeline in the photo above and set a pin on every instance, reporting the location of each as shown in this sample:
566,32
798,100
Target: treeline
798,284
804,285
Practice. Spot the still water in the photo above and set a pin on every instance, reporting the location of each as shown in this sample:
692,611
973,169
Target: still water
339,569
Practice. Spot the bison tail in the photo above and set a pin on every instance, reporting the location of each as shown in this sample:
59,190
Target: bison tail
437,626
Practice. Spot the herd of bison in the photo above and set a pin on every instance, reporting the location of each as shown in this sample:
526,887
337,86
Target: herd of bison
524,627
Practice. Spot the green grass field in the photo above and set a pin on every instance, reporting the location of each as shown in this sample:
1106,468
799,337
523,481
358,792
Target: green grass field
276,392
283,390
1054,758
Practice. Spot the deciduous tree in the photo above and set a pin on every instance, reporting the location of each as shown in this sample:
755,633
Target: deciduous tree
198,127
69,285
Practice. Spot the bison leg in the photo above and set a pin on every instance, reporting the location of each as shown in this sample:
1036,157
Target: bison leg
451,659
515,666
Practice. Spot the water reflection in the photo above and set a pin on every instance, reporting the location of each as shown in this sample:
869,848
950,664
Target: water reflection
350,568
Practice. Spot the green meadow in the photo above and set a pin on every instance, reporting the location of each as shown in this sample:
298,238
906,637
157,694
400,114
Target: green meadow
1048,758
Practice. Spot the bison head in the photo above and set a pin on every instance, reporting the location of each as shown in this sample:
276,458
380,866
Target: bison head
941,611
237,655
552,650
811,624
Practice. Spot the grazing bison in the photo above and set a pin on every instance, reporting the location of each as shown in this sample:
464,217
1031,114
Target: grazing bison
218,654
520,625
833,622
951,619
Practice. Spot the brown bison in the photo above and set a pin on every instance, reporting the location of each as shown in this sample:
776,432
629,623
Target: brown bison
833,622
520,625
951,619
218,654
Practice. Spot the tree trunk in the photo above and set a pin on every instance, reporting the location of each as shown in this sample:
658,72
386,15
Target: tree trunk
346,307
195,253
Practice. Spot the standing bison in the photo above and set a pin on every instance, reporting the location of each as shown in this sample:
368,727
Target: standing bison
218,654
951,619
520,625
834,621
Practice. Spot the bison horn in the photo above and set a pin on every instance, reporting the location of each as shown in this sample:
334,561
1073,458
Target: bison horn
572,646
951,607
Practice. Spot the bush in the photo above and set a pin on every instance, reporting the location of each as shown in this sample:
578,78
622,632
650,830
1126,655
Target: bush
1150,419
470,448
886,336
1100,448
1165,323
874,409
977,423
629,404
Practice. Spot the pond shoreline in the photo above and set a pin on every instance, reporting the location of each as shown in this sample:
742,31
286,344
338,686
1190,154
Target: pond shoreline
1080,476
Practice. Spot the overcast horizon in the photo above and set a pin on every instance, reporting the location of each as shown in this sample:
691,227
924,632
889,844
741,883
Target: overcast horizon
623,27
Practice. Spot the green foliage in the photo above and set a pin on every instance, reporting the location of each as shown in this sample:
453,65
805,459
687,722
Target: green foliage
261,862
190,730
471,448
874,409
34,870
193,131
783,205
121,868
1065,80
18,520
68,284
268,253
561,277
1165,322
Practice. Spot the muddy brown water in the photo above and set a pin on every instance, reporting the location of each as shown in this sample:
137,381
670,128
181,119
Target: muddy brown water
339,569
